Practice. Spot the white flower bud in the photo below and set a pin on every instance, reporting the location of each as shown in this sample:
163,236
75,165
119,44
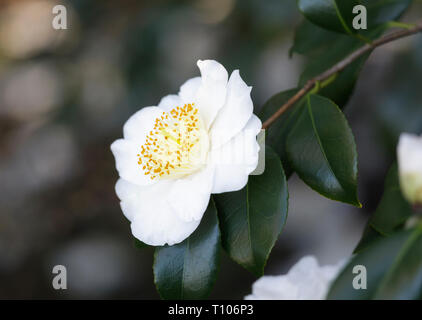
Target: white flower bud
409,154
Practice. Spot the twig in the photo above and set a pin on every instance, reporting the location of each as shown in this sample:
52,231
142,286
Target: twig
339,67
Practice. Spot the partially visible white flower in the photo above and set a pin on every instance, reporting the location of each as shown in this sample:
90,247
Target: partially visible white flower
175,155
409,154
306,280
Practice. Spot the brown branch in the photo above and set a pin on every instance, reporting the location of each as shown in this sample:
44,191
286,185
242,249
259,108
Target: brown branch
339,67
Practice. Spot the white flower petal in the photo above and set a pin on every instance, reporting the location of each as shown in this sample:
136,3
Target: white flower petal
139,124
409,154
125,190
235,113
125,152
236,159
153,220
306,280
211,94
169,102
273,288
189,90
168,209
189,196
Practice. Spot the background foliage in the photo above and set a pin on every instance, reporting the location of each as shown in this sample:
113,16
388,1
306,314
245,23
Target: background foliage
65,96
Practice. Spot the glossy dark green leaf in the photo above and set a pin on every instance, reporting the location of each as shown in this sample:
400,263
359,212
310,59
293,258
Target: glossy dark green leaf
139,244
322,151
325,48
337,15
252,218
403,281
334,15
393,209
392,212
340,90
369,235
276,135
394,269
398,106
328,48
310,39
188,270
381,11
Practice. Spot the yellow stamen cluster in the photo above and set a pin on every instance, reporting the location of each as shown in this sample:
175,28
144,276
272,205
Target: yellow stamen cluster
169,147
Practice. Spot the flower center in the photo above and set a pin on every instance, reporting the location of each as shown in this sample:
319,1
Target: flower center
177,146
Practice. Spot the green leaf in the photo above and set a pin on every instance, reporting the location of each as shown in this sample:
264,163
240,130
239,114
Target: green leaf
188,270
252,218
322,151
392,212
398,104
343,86
326,48
276,135
139,244
381,11
310,39
337,15
403,281
394,269
369,235
334,15
341,89
331,49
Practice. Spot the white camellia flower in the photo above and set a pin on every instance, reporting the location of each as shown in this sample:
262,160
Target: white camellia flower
306,280
409,154
175,155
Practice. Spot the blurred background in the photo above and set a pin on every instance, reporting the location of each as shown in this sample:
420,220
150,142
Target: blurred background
65,95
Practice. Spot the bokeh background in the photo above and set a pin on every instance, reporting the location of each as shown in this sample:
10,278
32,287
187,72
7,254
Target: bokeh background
65,95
